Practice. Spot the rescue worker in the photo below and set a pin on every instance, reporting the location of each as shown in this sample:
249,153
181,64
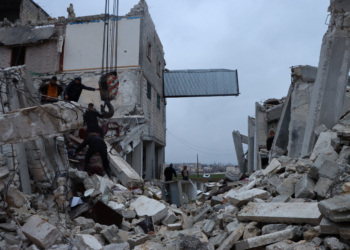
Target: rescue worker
184,173
169,172
90,121
73,90
50,91
96,145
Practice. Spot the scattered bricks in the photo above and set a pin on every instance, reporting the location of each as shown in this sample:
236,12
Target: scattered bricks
283,245
169,219
305,188
323,186
137,239
41,233
264,240
272,228
298,213
271,167
334,244
186,221
185,242
205,213
216,241
251,230
281,198
330,170
87,242
111,234
337,208
84,223
287,187
208,227
243,198
150,207
121,246
174,227
232,238
215,200
303,166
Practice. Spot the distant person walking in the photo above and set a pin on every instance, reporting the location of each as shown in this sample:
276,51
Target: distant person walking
50,91
169,172
184,173
73,90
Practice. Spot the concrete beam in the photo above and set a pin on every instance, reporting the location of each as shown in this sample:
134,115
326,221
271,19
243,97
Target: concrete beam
137,156
239,151
275,112
40,122
244,139
150,160
328,93
251,133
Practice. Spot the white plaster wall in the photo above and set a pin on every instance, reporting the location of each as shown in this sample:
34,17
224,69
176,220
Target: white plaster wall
84,44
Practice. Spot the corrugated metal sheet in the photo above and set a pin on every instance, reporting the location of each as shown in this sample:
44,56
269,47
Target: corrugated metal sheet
193,83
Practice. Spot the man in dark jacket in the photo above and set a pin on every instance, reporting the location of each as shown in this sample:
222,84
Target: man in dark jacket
73,90
96,145
169,172
50,91
90,121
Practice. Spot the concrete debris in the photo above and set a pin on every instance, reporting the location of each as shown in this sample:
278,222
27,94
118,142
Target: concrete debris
337,209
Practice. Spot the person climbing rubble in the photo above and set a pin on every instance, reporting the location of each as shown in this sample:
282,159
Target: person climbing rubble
73,90
91,122
50,91
96,145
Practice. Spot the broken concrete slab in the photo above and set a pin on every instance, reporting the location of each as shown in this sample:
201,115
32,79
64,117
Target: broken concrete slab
298,213
323,144
331,170
243,198
111,234
40,232
323,186
46,121
121,246
334,244
337,208
87,242
329,227
185,242
313,172
149,207
282,245
272,228
305,188
264,239
287,187
271,167
232,238
218,239
251,230
281,198
205,213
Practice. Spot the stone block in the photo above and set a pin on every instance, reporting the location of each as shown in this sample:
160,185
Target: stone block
281,198
121,246
40,232
329,227
215,200
282,245
334,244
274,164
303,166
272,228
264,239
208,227
232,238
296,213
137,239
218,239
323,144
111,234
87,242
323,186
337,208
305,188
313,172
84,223
149,207
330,170
205,213
14,197
287,187
243,198
169,219
174,227
186,221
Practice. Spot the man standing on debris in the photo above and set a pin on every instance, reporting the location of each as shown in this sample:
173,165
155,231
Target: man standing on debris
73,90
90,121
96,145
184,173
50,91
169,172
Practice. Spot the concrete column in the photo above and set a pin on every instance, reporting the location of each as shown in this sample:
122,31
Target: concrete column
137,155
239,151
150,160
23,169
161,157
251,130
280,142
328,93
260,133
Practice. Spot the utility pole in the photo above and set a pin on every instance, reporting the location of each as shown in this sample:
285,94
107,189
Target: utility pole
197,167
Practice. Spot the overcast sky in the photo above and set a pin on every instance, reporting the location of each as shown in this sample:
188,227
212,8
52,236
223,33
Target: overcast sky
262,39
